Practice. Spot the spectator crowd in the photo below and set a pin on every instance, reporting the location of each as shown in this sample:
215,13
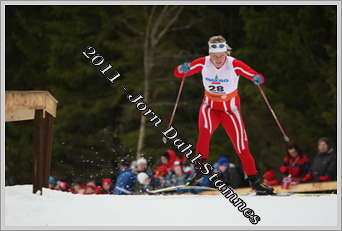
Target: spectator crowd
138,177
297,167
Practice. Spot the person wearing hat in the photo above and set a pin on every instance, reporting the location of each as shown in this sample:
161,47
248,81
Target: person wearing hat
230,172
143,167
125,181
52,182
147,182
222,165
143,178
324,165
221,103
167,159
141,164
107,186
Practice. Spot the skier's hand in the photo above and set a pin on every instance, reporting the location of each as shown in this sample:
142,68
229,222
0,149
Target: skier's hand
184,68
258,79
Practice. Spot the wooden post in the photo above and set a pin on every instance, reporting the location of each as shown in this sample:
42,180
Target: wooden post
43,150
48,147
39,150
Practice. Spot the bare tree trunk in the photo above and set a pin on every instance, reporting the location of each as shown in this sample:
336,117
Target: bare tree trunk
153,35
141,136
147,71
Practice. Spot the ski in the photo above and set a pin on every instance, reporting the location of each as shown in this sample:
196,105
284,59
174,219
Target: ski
283,194
175,188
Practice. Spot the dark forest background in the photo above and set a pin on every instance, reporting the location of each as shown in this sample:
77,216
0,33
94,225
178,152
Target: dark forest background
294,47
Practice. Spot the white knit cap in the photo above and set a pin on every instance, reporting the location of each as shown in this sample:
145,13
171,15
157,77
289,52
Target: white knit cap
142,161
142,177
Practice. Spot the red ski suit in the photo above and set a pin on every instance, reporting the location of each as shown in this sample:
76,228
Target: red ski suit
221,105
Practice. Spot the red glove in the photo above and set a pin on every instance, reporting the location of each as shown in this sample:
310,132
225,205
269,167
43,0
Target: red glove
272,182
283,169
307,177
324,178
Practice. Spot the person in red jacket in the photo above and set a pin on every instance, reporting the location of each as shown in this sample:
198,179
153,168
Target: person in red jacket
221,103
167,158
295,165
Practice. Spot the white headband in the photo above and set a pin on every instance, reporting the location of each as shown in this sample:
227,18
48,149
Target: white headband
217,47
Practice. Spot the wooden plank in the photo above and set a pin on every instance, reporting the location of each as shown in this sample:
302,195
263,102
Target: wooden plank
20,105
312,187
19,115
304,187
50,104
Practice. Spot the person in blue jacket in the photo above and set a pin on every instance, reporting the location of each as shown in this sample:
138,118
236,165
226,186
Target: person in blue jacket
125,181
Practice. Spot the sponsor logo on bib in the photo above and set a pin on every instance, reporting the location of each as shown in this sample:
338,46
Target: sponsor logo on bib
216,80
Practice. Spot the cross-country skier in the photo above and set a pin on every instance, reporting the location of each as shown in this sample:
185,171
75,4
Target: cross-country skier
221,103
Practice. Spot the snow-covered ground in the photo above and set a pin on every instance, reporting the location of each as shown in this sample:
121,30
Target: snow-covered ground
22,208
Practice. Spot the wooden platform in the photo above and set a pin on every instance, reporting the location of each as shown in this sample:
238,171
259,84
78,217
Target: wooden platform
41,107
304,187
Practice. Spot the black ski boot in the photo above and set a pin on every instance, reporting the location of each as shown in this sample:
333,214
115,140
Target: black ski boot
196,175
194,178
259,187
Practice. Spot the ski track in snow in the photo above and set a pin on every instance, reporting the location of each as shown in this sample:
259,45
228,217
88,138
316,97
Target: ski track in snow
54,208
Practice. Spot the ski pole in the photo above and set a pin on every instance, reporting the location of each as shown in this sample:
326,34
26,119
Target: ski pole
175,107
286,138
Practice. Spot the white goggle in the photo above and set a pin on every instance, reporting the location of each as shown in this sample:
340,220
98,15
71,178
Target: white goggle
218,47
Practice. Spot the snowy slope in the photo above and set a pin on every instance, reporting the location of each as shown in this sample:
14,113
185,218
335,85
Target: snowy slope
59,208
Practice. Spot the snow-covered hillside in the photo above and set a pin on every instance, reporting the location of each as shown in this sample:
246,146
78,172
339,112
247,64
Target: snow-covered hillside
64,209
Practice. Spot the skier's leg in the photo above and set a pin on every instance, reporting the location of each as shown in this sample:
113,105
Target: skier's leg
234,126
208,121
